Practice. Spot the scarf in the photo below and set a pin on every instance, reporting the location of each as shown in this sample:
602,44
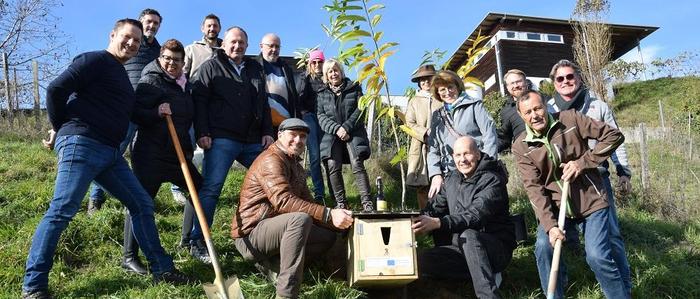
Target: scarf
337,89
577,102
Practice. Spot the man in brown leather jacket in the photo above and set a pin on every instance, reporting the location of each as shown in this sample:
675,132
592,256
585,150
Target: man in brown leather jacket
277,222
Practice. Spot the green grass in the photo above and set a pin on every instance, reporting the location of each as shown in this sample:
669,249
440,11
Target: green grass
661,227
637,102
664,254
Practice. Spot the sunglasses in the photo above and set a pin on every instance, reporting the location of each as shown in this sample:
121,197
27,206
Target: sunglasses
568,77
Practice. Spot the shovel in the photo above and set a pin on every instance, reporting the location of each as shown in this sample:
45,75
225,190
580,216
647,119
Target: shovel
554,271
220,289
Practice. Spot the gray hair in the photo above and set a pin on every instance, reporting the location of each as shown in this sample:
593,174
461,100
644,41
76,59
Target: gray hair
564,63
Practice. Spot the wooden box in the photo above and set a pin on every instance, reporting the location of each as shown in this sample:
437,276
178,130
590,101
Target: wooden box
382,250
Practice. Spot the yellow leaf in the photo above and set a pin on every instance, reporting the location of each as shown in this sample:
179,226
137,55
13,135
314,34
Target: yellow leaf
366,71
382,59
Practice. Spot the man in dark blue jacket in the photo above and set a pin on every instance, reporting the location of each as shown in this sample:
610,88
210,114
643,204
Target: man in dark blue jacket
472,205
149,50
232,121
89,106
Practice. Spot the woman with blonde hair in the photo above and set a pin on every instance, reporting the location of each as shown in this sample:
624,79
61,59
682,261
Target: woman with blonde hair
345,139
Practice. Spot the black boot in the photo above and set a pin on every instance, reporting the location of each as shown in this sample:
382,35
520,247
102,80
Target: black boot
363,187
130,253
134,265
335,176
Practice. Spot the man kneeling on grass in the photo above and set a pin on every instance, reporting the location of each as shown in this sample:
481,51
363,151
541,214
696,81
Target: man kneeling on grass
472,205
89,106
277,223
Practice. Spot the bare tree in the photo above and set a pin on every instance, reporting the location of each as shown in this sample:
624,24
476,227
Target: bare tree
592,46
29,32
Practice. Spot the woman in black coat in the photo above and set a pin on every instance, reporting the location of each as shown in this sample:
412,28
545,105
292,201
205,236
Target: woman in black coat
162,90
345,137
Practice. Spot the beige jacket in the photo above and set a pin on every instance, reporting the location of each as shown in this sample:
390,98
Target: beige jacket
418,115
196,53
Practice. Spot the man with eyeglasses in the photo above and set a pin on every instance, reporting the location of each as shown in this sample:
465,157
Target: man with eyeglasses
282,95
572,94
232,121
511,123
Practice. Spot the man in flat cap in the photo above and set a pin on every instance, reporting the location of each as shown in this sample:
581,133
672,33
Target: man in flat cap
277,222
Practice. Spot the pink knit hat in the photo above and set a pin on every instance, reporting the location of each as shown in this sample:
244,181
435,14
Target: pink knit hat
316,54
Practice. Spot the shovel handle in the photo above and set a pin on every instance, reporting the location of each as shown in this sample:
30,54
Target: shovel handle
195,200
554,270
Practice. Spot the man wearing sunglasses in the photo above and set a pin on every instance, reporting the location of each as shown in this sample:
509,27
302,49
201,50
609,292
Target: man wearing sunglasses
572,94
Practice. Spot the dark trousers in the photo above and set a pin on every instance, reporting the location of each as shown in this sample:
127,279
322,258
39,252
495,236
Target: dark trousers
335,173
151,174
476,256
283,242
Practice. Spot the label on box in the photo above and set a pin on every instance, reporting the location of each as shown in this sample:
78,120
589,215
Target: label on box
383,262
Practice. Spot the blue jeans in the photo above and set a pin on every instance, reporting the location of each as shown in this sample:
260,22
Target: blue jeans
217,162
313,145
97,193
616,241
598,246
81,160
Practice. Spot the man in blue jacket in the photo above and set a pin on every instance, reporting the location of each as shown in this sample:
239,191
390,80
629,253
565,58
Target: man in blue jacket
149,50
472,205
89,106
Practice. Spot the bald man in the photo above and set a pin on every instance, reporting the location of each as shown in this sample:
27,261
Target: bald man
282,95
472,205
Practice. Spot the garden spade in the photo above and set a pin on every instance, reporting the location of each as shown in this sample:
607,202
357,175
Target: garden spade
554,271
220,289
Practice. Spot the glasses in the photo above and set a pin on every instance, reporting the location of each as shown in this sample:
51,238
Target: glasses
568,77
316,62
272,46
171,59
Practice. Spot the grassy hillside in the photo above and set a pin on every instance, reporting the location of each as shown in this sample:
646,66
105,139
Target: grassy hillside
660,226
664,254
638,102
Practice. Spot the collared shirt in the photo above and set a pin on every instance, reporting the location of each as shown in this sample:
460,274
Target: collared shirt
237,67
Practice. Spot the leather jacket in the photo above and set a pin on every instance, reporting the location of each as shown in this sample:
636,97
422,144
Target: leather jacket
275,184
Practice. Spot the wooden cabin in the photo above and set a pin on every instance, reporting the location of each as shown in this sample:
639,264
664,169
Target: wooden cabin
533,45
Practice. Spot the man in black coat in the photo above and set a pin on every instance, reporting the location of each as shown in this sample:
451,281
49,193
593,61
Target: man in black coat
149,50
511,123
472,205
232,120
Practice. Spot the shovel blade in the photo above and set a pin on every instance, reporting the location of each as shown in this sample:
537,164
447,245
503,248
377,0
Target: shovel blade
231,286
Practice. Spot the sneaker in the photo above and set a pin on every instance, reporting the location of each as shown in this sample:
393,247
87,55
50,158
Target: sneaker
179,197
367,207
199,251
36,294
173,276
94,205
184,245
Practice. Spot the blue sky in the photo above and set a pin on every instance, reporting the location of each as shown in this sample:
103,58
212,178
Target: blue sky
417,25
